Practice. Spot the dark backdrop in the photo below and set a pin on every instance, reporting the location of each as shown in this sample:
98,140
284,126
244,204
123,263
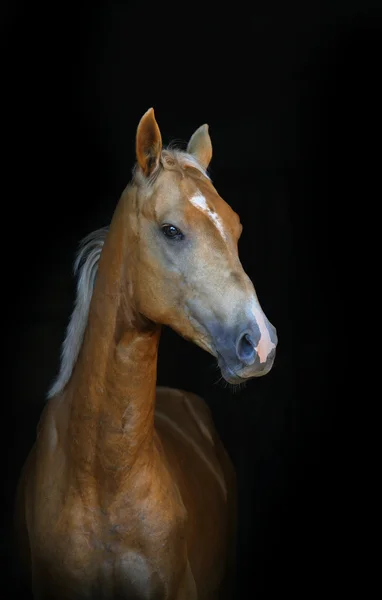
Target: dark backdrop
290,91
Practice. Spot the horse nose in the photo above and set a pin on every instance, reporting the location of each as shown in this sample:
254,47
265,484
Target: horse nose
246,348
273,336
254,345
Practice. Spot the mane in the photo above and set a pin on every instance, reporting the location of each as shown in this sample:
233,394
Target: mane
86,268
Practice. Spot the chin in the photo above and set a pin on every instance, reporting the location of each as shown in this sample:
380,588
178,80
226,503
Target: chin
230,377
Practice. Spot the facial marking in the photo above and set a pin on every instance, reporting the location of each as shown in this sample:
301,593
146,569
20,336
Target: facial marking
265,344
199,201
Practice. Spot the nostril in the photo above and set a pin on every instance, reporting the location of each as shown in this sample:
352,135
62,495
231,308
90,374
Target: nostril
248,340
246,350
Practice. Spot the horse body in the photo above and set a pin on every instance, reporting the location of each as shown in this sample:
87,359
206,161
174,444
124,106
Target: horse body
162,532
128,491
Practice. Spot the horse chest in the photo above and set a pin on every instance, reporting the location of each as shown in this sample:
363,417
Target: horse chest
132,574
132,551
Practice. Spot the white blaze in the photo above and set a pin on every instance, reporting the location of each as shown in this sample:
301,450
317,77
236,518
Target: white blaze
199,201
265,344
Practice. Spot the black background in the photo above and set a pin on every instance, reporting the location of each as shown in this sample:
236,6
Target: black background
290,91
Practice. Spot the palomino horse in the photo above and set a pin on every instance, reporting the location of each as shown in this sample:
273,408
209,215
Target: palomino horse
128,491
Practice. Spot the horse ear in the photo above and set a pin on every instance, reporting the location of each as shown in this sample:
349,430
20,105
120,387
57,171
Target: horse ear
200,146
148,145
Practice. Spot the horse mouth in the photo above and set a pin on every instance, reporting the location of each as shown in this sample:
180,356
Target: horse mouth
227,372
233,377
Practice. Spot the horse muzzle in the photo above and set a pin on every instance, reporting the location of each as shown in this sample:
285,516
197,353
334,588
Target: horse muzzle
246,355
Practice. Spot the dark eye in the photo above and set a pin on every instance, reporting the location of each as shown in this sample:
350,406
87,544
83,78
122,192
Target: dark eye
172,232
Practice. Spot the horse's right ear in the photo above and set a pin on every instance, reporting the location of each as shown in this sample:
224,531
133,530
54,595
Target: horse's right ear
148,143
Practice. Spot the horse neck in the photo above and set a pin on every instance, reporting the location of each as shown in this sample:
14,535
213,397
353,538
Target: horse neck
112,391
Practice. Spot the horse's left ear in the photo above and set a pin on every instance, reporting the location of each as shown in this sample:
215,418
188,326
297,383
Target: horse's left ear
200,146
148,145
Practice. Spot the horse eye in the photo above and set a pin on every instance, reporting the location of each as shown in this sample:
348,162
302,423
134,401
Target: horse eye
172,232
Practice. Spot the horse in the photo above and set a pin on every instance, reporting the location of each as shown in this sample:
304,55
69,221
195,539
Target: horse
128,491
